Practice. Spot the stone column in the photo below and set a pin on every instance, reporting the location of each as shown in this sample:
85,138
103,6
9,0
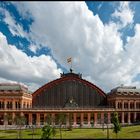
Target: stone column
38,119
129,120
53,119
135,104
82,119
30,119
74,120
89,119
5,120
116,104
5,104
108,118
45,116
13,117
128,104
122,121
67,120
21,114
102,118
135,116
95,119
27,105
13,105
122,104
21,102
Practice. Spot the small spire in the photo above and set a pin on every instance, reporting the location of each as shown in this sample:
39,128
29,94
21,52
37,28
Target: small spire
71,70
122,85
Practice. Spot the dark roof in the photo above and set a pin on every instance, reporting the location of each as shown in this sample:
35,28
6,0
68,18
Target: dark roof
67,76
71,74
69,91
125,90
12,86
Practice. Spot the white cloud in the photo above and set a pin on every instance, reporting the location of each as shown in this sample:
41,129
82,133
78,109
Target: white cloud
124,13
70,29
15,28
33,48
3,80
15,65
100,5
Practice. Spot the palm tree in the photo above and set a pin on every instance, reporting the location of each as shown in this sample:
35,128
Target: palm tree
47,131
48,128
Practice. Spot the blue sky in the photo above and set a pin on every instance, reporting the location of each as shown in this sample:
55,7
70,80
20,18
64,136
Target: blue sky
36,38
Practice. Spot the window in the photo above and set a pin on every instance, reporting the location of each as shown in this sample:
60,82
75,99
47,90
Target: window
131,93
131,105
125,105
119,105
137,105
125,93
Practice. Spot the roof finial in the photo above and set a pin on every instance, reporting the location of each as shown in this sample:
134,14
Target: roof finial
122,85
71,70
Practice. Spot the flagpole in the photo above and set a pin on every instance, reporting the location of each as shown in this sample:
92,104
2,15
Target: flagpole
69,60
71,64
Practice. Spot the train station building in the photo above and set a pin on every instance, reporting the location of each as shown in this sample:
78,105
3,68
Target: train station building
85,104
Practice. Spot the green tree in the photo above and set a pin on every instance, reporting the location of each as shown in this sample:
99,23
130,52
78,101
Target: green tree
61,118
47,132
117,126
19,121
50,122
7,118
49,119
69,127
33,128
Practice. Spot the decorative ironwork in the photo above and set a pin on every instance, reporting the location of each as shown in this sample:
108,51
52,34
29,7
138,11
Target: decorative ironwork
71,103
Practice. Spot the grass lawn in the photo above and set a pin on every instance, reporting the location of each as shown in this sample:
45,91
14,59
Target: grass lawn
129,132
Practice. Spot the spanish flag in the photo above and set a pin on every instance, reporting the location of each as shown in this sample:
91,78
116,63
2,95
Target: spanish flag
69,60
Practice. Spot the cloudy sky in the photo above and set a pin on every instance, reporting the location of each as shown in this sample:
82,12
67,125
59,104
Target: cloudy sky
103,39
